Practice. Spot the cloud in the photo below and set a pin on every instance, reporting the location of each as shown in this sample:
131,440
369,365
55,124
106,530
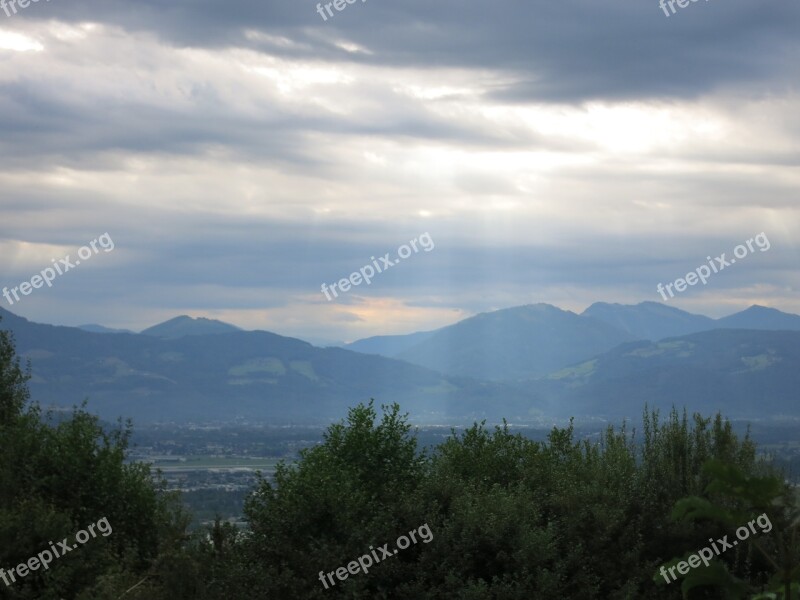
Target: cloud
241,157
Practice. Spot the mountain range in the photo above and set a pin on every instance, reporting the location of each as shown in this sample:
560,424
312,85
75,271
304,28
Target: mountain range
527,342
529,363
244,375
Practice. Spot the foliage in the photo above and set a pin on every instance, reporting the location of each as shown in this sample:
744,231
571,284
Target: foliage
511,517
733,499
57,477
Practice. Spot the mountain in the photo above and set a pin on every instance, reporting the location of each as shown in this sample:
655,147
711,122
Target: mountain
184,325
458,349
515,343
761,317
251,375
743,373
525,362
655,321
94,328
649,320
389,345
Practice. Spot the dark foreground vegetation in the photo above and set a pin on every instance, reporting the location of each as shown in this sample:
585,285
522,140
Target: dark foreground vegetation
510,518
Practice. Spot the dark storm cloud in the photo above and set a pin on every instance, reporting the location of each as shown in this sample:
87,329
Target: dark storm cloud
555,51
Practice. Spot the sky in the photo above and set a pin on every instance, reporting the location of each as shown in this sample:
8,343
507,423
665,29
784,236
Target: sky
242,154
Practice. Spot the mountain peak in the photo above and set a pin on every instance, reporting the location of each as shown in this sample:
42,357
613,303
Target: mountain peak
649,320
759,308
761,317
184,325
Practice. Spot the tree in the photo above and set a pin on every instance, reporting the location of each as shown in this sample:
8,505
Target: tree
342,496
56,479
734,499
510,517
13,381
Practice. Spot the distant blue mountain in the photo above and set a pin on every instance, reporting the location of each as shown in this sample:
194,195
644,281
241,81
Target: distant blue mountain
244,375
649,320
526,362
183,325
761,317
527,342
514,344
655,321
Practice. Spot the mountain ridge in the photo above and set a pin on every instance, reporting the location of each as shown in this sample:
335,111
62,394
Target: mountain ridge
524,363
251,375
